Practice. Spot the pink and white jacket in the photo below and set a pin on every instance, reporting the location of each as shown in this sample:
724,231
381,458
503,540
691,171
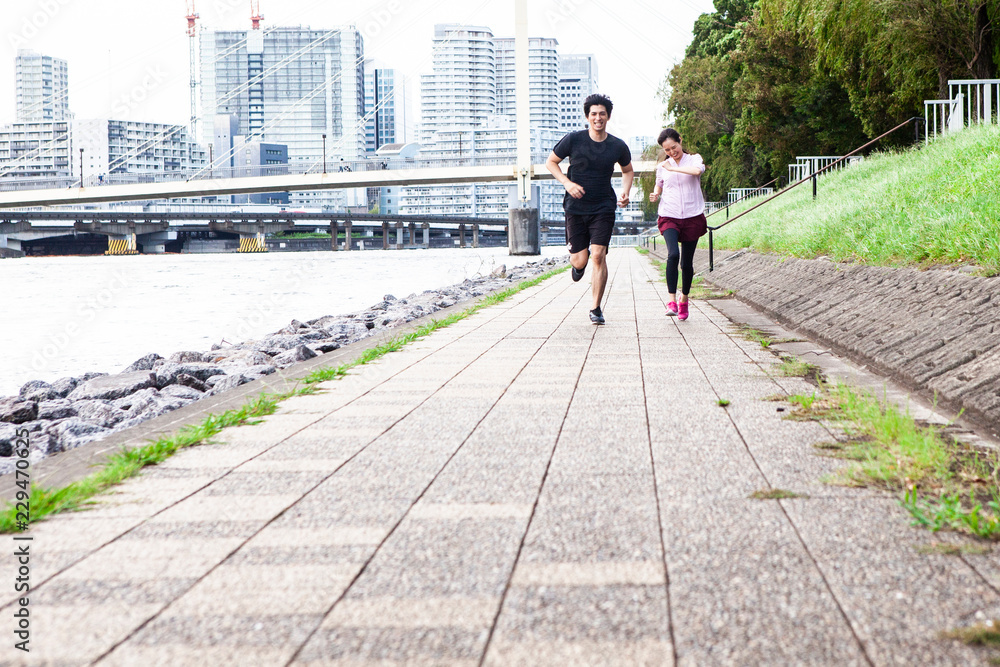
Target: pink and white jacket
681,196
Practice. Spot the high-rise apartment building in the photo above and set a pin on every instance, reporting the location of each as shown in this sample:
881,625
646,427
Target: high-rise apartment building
36,150
577,80
543,80
117,150
461,90
42,88
287,85
385,107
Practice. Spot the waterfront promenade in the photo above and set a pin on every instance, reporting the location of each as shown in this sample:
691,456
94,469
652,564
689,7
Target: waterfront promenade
519,488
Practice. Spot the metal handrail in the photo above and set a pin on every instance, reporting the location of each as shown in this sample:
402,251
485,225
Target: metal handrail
711,242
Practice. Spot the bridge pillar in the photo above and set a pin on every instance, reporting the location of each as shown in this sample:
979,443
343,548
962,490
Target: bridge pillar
252,242
121,244
9,243
475,236
333,236
461,235
385,236
413,234
348,230
155,243
427,234
522,232
399,236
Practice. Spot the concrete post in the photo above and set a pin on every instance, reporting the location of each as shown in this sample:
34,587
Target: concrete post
461,235
333,235
427,234
475,236
413,234
399,236
385,236
522,232
347,233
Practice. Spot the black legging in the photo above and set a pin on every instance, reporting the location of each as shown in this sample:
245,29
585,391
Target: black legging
686,258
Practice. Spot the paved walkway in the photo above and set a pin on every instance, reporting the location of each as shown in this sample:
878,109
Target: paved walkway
520,488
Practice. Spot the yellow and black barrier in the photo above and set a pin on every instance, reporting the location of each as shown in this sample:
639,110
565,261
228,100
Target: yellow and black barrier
125,246
253,243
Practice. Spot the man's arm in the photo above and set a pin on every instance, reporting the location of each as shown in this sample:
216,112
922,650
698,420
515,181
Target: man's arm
628,174
552,164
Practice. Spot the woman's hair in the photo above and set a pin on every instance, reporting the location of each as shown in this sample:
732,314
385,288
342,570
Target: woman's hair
597,98
668,133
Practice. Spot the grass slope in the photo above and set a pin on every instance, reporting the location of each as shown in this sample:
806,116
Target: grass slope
937,204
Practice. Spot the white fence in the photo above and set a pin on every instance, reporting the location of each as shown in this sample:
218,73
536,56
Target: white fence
805,166
736,194
973,102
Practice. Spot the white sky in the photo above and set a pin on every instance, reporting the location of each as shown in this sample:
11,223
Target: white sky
133,54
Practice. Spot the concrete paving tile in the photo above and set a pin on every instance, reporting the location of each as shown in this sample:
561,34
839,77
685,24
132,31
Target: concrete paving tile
265,590
231,507
614,613
458,511
179,655
471,480
242,483
606,573
293,464
452,558
393,646
78,635
475,614
75,532
264,631
193,529
897,599
334,510
582,653
214,456
297,555
101,591
139,560
741,584
274,536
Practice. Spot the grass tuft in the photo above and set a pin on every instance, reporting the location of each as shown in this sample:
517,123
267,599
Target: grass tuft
981,634
947,549
723,402
775,494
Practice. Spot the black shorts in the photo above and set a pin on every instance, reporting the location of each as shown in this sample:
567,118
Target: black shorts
582,231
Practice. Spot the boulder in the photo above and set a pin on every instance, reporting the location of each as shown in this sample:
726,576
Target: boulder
89,376
127,402
257,372
323,348
63,386
211,382
293,356
15,411
168,373
191,382
74,432
8,436
36,390
99,413
183,392
144,364
155,406
186,357
57,409
226,383
243,358
111,387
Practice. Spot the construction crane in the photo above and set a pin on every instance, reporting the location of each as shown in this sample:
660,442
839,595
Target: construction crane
192,17
255,16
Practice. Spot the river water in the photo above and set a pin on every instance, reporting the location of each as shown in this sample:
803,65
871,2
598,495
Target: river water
65,316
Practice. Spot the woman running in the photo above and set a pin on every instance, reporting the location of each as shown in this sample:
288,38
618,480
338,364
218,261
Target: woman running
681,214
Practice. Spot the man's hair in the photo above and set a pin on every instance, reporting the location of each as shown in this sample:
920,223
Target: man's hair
599,99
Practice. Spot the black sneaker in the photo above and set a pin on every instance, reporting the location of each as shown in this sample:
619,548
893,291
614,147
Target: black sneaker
576,273
596,316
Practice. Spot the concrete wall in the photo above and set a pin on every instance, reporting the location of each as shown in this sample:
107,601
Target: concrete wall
937,331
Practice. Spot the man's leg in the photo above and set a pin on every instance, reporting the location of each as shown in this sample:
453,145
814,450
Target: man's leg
599,278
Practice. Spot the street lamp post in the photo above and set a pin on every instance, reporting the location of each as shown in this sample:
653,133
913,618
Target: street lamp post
81,167
324,153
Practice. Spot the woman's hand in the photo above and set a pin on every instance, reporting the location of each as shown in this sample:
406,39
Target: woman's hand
654,195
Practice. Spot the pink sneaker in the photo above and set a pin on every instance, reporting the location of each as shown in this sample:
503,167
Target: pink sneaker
672,308
682,313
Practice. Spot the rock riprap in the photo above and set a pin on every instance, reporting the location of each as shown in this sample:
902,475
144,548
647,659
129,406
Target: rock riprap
73,411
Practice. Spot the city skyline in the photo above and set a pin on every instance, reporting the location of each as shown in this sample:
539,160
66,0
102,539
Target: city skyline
143,74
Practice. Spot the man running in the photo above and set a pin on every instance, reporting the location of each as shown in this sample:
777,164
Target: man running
590,200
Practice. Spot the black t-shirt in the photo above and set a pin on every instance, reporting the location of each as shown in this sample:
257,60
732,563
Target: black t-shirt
591,164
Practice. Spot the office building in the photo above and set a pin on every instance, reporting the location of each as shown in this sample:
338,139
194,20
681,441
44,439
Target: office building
289,86
256,158
577,80
543,80
385,107
42,88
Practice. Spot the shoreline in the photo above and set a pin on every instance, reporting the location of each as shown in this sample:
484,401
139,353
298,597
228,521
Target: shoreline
73,411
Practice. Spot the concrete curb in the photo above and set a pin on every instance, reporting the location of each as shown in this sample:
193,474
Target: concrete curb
64,468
